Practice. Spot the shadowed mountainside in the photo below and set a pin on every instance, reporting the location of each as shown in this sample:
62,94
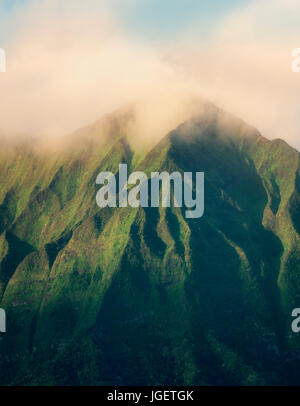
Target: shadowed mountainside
146,296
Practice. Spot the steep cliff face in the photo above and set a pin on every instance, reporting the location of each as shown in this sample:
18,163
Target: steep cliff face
147,296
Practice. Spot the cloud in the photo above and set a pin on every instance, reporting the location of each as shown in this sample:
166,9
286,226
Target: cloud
70,62
245,67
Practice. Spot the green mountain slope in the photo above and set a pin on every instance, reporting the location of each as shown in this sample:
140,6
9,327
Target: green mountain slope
146,296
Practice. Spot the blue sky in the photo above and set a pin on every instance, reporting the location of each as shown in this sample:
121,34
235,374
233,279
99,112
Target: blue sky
7,5
159,19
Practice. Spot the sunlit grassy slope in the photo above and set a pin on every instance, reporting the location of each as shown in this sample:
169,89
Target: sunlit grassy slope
146,296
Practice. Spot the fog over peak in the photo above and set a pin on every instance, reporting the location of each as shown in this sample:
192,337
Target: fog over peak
69,64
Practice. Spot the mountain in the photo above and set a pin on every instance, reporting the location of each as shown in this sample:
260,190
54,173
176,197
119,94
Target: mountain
140,296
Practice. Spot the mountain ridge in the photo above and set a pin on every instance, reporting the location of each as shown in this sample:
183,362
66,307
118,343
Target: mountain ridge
210,298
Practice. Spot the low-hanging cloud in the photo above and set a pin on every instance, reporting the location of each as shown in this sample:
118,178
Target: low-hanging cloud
70,62
245,66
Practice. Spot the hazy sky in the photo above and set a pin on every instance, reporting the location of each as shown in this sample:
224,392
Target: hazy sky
154,19
70,61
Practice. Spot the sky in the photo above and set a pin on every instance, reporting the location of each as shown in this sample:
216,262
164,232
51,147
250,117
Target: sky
70,62
154,19
157,20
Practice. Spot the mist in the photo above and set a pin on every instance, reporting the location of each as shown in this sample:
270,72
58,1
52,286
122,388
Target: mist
68,64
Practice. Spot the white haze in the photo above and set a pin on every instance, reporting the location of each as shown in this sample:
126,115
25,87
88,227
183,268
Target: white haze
70,62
